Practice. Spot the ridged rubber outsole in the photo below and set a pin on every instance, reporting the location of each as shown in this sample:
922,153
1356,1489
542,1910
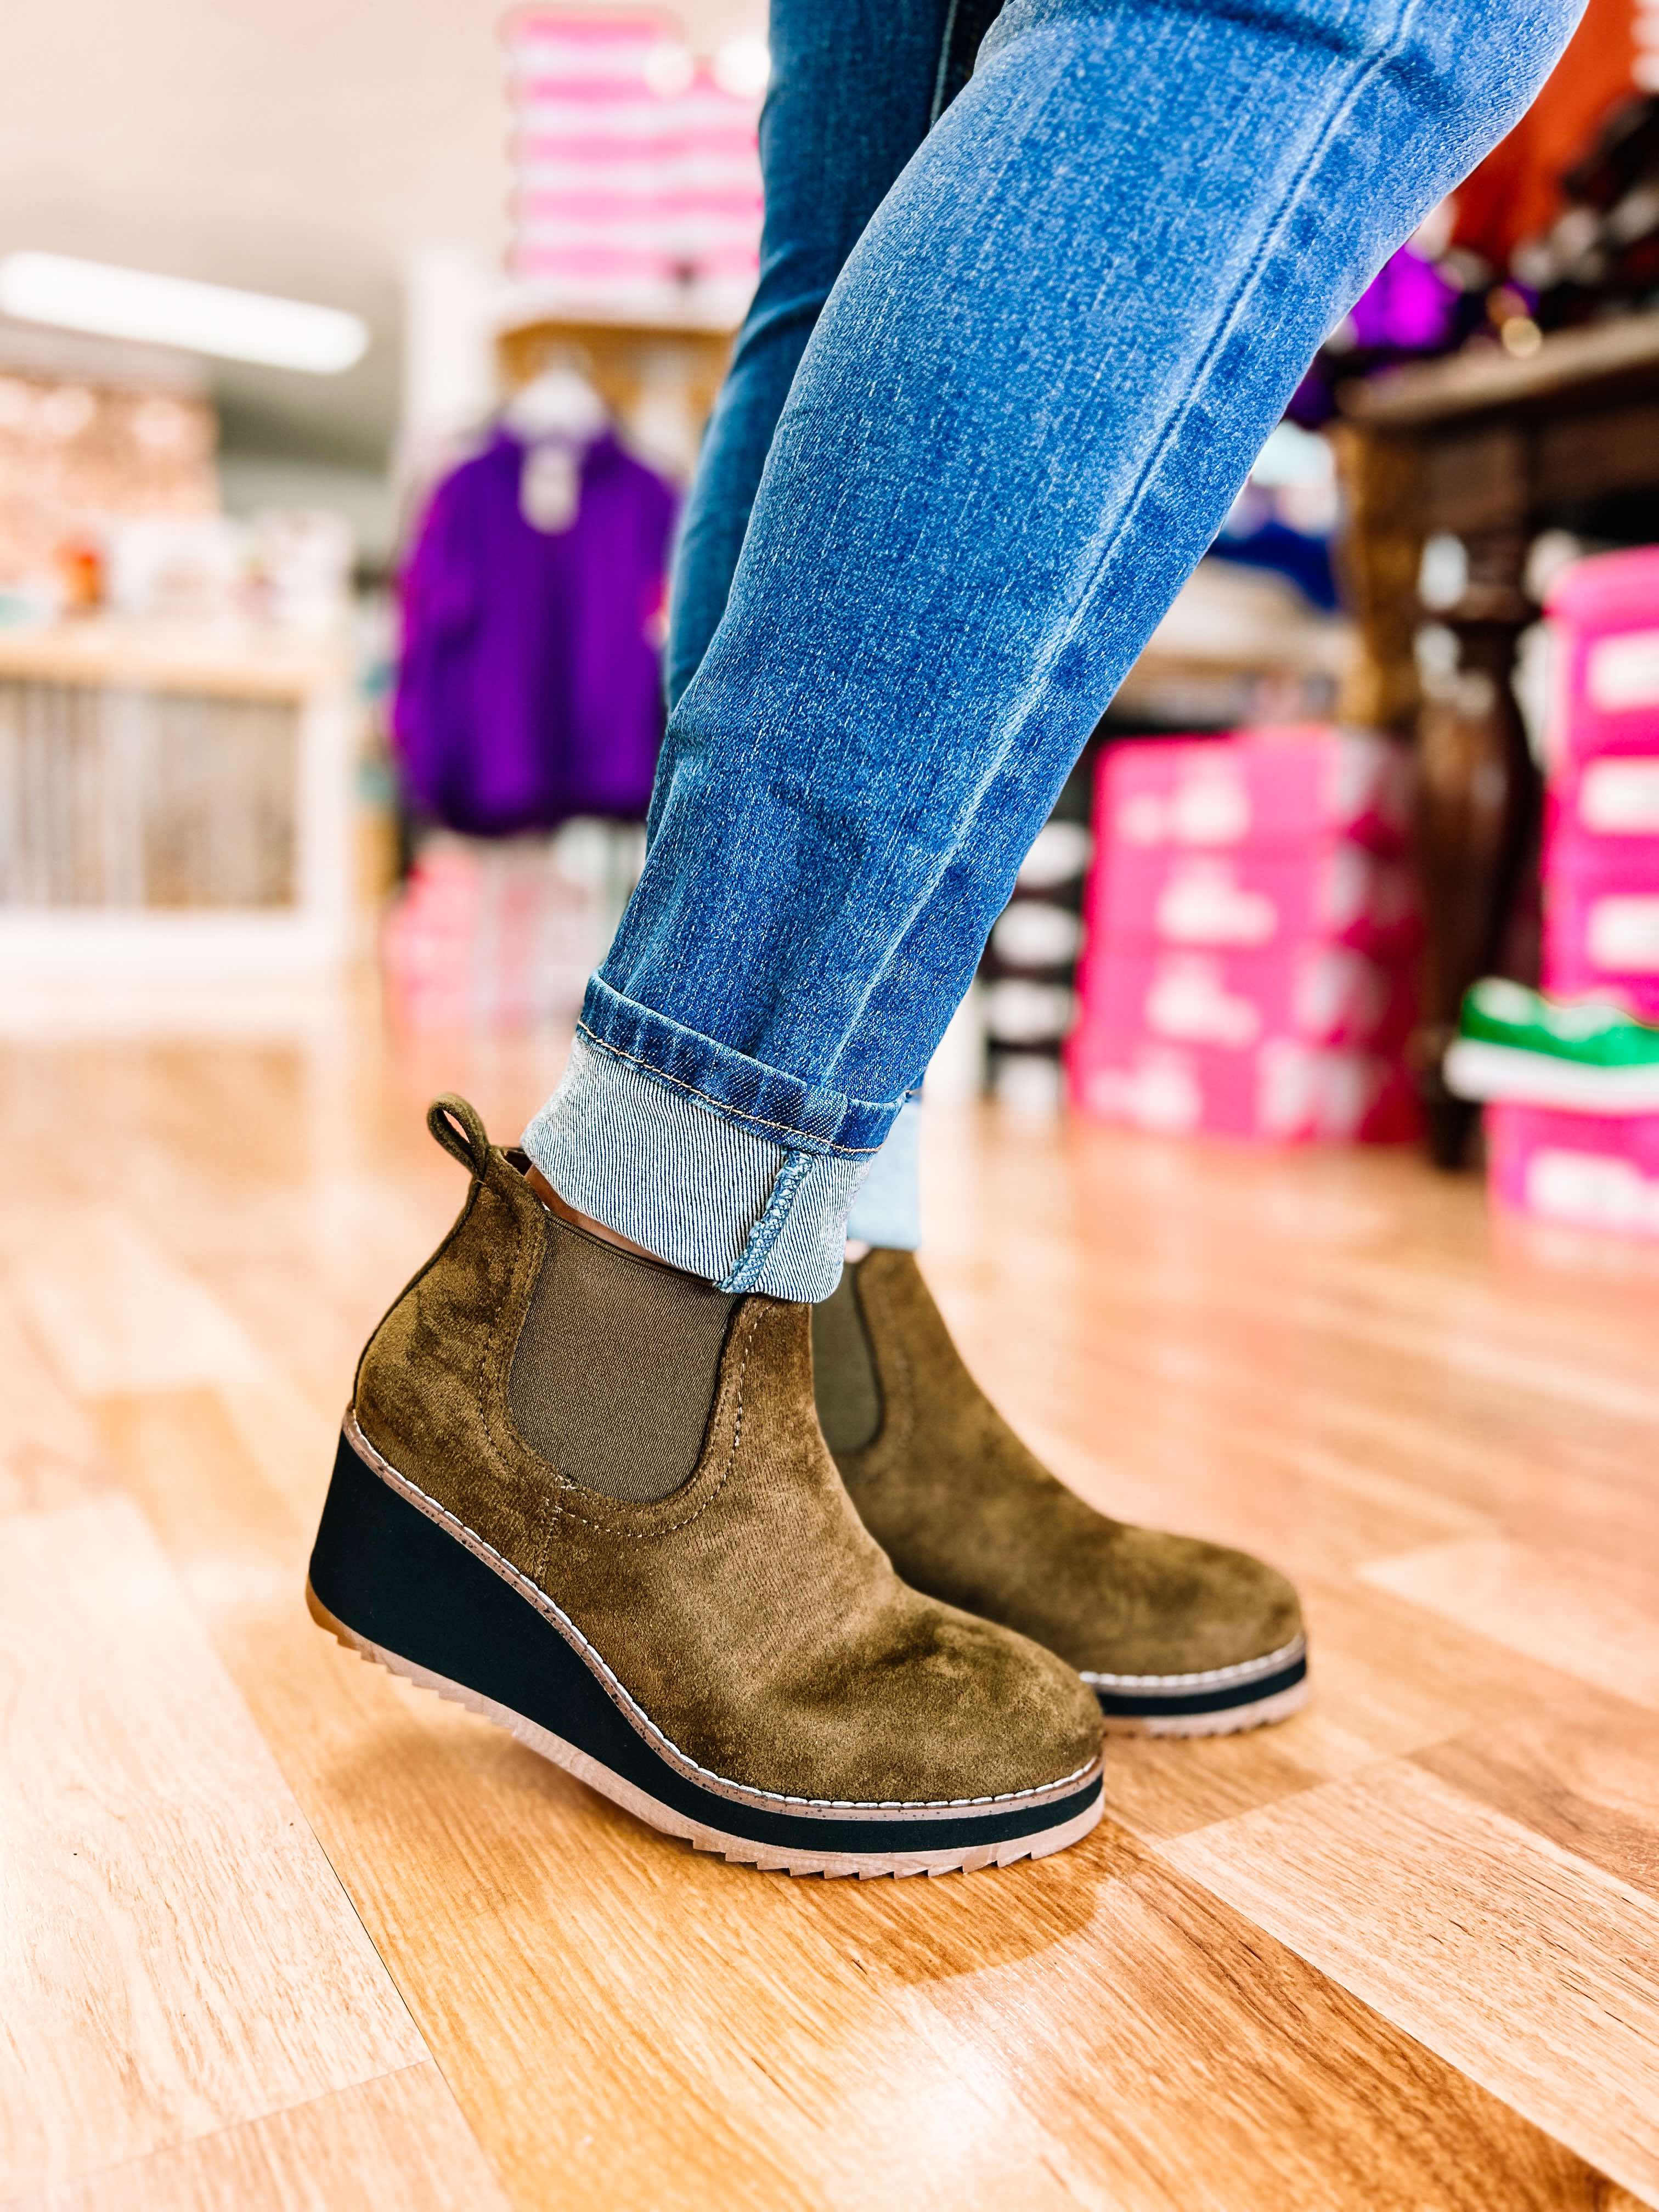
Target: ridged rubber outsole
1230,1720
398,1579
1221,1701
865,1866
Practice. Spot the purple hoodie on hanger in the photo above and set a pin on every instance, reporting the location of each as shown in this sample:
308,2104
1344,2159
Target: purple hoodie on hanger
528,682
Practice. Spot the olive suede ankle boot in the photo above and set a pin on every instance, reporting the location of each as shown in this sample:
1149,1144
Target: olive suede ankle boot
1175,1637
587,1495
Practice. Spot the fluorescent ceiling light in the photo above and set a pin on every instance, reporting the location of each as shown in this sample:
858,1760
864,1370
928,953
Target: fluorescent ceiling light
175,311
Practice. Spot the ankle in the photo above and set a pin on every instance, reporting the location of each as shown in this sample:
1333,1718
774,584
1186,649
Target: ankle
561,1211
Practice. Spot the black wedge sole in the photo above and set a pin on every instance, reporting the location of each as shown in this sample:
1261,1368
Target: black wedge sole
399,1581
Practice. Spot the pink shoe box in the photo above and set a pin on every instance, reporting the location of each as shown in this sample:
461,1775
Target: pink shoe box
1280,1091
1264,787
1255,901
1601,924
467,944
1575,1170
1609,802
1605,614
1321,993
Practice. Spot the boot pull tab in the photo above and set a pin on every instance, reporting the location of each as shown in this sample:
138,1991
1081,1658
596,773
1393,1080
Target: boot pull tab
457,1126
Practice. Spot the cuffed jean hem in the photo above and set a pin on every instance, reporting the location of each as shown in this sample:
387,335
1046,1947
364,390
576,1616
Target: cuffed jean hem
703,1190
887,1208
791,1111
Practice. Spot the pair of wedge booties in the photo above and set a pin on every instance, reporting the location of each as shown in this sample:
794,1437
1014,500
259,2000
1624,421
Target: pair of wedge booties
593,1499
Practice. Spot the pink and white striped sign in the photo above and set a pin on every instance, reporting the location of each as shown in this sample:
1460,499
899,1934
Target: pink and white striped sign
637,178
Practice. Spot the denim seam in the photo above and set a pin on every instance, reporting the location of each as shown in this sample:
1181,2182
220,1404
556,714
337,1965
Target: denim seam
762,1236
640,1014
799,1141
942,74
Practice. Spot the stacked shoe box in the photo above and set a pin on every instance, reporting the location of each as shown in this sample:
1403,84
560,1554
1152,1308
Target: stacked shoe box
1252,932
1600,890
505,935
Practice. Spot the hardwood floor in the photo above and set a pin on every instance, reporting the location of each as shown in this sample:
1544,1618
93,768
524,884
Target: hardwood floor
276,1931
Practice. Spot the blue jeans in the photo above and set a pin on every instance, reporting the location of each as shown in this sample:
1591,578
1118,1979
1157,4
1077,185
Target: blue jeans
1031,395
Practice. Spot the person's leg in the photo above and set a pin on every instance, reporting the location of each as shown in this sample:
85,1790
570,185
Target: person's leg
1033,395
1020,421
853,93
851,96
590,1493
589,1496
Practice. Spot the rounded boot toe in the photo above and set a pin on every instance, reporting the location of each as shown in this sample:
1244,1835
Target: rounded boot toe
971,1711
1186,1607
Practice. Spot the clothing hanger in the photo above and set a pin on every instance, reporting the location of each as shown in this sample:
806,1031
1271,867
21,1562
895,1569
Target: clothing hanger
557,402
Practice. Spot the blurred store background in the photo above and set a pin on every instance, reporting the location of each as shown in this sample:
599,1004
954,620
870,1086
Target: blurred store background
352,363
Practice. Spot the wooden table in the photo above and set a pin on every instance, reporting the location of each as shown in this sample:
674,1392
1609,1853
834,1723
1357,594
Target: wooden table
1490,449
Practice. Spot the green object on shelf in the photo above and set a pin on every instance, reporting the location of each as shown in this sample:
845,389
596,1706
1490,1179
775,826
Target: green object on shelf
1586,1054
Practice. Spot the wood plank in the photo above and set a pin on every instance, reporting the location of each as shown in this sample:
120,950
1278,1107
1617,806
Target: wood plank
49,1452
1590,1783
1184,2058
1540,1485
1164,1786
1250,1397
1548,1608
933,2044
177,1955
1295,1355
1324,1357
1532,1972
1307,1259
398,2144
118,1313
516,1910
1387,1680
1390,1679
